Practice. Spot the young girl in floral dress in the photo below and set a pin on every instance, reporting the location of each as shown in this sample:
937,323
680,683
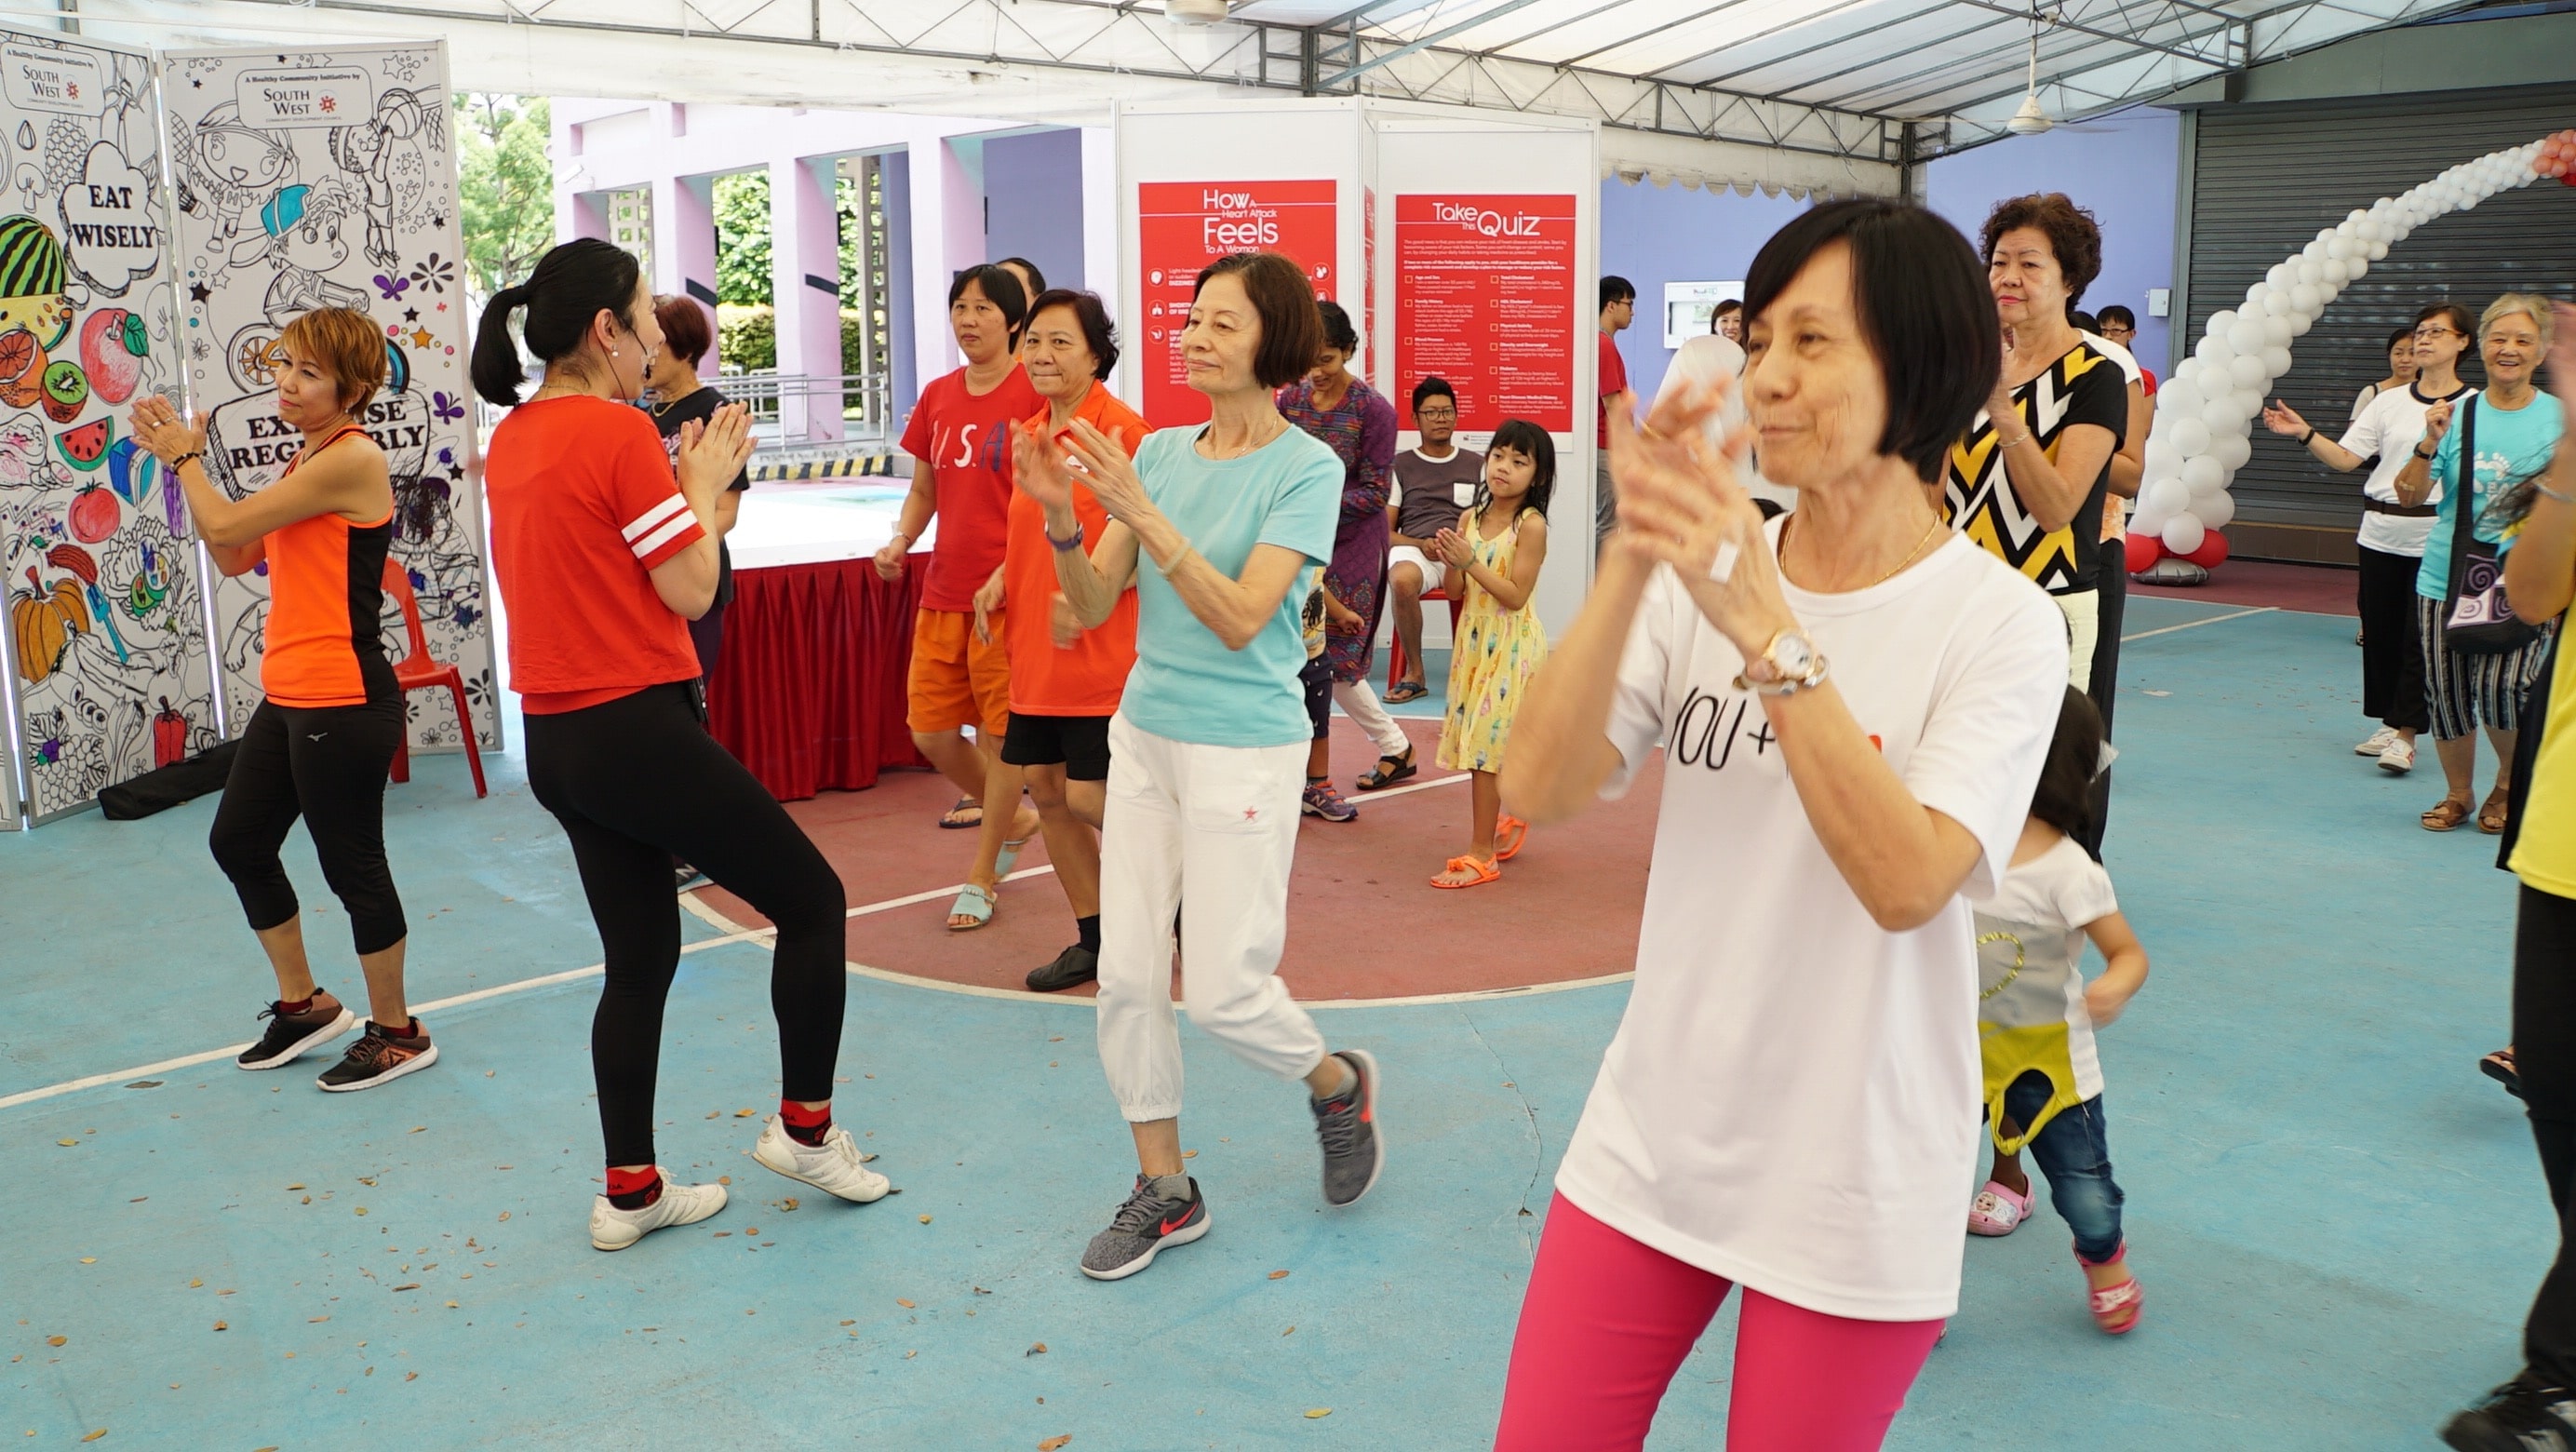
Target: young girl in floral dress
1496,551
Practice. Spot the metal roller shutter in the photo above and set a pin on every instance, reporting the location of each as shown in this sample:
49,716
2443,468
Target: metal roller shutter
2265,178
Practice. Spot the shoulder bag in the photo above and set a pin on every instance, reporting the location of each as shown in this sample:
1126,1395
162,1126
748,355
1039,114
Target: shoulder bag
2478,619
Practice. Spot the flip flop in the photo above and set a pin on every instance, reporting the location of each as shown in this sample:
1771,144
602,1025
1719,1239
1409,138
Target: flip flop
1483,867
2447,814
1403,691
1510,833
2500,1067
971,898
2497,811
1380,778
950,821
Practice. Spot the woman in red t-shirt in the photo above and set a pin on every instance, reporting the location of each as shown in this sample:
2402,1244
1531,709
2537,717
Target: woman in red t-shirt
331,713
604,559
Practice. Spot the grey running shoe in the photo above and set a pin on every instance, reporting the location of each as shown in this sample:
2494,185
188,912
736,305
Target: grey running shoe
380,1057
2516,1417
1140,1230
1348,1127
1074,966
288,1035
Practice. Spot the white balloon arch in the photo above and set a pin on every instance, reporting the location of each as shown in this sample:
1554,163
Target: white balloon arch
2205,412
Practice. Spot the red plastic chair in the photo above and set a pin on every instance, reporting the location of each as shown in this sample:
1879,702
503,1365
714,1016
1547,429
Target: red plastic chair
1395,660
418,672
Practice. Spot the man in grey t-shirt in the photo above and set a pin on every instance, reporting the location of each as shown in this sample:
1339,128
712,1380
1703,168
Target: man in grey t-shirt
1433,482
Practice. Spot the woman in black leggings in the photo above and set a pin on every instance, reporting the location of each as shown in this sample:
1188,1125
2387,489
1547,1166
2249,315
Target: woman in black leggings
331,714
604,559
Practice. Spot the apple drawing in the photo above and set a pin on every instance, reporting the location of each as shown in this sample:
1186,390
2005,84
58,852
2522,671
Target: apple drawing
112,346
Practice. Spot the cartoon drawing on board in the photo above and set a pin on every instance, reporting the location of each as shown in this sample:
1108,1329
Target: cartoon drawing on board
327,180
106,636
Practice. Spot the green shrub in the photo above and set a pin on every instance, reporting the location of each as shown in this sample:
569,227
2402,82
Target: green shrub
746,336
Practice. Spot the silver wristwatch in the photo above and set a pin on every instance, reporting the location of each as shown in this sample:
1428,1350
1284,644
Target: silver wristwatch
1788,665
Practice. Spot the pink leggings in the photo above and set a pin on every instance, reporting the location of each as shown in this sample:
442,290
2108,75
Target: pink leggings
1607,1322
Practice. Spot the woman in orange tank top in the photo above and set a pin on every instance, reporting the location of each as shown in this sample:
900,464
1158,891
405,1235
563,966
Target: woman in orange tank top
320,745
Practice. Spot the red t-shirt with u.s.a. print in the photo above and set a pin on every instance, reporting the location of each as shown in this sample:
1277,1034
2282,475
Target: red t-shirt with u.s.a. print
964,439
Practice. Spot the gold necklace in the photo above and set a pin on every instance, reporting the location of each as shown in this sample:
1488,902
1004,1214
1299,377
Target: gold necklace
660,409
1881,580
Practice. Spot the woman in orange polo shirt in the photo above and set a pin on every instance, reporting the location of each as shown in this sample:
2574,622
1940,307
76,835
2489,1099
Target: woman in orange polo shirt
1065,681
322,741
604,557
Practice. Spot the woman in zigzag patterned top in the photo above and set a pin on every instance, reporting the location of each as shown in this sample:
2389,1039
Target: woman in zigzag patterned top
2026,483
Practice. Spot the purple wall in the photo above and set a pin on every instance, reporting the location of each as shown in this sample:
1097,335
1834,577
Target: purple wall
2122,169
1034,186
1652,235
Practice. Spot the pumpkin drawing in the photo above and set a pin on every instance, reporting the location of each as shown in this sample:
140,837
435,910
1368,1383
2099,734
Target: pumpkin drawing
42,623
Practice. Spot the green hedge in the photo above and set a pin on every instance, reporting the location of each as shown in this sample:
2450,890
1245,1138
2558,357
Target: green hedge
747,338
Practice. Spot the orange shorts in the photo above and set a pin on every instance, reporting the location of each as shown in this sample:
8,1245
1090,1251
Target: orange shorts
956,679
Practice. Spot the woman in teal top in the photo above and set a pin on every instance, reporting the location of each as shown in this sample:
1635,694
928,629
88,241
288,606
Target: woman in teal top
2517,430
1221,529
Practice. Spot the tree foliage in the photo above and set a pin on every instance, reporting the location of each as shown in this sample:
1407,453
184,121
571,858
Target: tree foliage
741,206
505,183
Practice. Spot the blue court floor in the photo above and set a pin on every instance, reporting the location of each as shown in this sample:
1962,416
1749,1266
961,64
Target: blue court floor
2337,1222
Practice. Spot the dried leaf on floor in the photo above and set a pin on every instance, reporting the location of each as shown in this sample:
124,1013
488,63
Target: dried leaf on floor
219,1325
195,1283
1037,1350
56,1340
1291,1331
94,1436
1056,1444
1313,1412
411,1376
788,1204
849,1323
144,1084
900,1301
408,1286
89,1260
1189,1154
315,1320
979,1290
295,1187
925,1220
1279,1275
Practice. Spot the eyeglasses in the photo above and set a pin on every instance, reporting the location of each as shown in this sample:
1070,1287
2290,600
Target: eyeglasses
2423,334
1435,411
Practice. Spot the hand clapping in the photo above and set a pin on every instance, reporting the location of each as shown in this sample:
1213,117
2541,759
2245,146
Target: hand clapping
712,453
1681,503
159,427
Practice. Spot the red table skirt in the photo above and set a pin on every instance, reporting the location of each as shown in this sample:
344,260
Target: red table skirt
809,692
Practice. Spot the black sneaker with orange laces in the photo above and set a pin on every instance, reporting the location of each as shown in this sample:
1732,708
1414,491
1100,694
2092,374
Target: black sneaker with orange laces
381,1056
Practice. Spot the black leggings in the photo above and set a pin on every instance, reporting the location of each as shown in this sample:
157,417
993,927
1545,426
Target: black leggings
327,765
2112,590
2544,1054
636,781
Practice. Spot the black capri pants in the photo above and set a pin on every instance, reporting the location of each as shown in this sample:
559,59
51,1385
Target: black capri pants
635,782
326,764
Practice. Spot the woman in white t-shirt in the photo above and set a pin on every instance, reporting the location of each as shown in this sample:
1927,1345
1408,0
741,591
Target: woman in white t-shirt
2392,536
1791,1100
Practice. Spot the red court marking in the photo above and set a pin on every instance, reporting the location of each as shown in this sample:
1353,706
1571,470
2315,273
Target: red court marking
1363,918
2308,589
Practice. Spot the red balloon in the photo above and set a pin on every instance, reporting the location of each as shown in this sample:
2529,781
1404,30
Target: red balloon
2212,552
2143,551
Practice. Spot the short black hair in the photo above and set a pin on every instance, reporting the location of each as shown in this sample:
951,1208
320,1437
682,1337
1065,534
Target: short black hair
2459,317
1617,289
1292,328
2064,798
2396,336
1339,335
2084,322
1098,333
1924,307
1533,443
2118,313
1000,289
1433,388
1037,279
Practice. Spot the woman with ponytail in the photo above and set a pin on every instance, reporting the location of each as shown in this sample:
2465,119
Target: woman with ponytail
604,558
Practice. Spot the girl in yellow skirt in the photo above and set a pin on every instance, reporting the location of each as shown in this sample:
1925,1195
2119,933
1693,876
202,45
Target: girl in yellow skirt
1494,555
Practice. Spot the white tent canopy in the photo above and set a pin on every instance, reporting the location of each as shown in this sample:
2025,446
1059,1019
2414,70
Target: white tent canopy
1811,95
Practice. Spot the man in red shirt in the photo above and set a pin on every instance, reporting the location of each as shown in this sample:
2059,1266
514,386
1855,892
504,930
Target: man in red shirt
1618,310
960,440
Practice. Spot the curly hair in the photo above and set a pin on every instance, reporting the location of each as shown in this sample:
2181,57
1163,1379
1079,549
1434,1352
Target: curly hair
2073,237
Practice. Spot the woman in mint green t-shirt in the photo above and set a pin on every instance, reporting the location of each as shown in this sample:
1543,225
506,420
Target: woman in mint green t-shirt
1221,529
2517,430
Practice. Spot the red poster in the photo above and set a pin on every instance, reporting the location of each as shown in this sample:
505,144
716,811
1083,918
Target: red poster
1184,226
1485,298
1368,279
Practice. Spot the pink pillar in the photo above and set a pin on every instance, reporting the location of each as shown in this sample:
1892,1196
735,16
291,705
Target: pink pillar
805,282
684,244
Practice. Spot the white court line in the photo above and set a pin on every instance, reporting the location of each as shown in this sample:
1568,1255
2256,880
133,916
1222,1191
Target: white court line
2196,624
733,932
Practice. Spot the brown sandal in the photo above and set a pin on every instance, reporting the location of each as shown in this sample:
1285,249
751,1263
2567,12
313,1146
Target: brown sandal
2498,808
2447,814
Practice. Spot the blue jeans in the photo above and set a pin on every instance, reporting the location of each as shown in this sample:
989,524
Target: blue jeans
2072,1152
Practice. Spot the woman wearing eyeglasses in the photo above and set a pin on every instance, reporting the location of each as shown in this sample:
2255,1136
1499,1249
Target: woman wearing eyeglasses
2392,532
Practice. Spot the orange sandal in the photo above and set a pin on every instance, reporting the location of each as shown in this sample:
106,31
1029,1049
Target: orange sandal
2493,817
1509,833
2116,1307
1483,867
2447,814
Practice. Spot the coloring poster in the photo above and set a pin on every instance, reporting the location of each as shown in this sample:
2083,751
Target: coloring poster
328,179
104,665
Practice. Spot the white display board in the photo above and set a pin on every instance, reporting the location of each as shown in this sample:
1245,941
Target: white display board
103,668
313,179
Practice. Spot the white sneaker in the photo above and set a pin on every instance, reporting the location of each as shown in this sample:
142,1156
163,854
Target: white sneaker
831,1166
2377,742
615,1229
2399,758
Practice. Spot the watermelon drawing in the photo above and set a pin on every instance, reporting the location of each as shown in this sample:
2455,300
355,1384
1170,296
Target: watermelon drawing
83,447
